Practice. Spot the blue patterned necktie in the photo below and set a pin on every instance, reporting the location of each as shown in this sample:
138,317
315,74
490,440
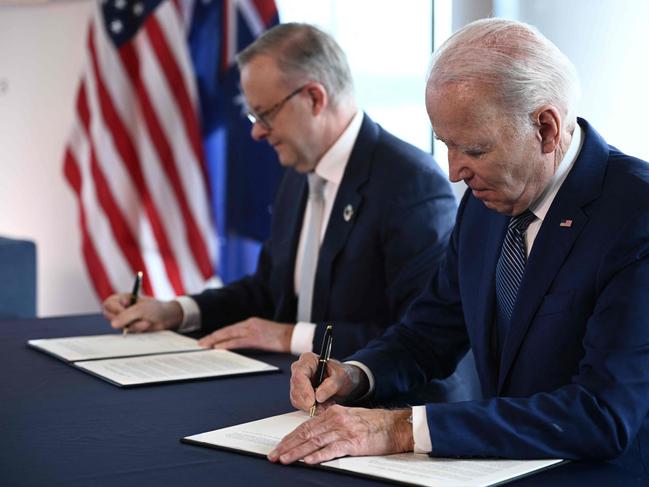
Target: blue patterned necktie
509,271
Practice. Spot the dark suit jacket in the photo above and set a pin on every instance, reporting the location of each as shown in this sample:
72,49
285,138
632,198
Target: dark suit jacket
573,377
371,267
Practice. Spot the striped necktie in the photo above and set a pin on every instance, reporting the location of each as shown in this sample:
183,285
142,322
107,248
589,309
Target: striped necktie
509,271
311,247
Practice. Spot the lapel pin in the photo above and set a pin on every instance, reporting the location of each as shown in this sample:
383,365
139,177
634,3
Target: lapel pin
348,213
565,223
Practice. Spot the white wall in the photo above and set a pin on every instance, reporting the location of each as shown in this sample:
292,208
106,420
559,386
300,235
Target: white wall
608,43
466,11
41,53
388,52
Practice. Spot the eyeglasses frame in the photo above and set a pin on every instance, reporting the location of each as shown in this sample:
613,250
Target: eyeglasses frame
265,117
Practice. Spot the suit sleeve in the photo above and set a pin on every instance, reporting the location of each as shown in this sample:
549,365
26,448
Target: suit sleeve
238,300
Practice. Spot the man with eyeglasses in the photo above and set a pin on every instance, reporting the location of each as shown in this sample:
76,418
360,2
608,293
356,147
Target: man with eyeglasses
356,251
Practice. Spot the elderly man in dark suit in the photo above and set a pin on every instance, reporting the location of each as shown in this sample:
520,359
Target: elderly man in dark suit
546,276
354,250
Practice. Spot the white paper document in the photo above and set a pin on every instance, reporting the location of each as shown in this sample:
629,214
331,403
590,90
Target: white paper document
115,345
147,358
411,468
173,367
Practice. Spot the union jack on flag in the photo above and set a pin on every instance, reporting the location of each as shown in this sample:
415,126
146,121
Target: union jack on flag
136,155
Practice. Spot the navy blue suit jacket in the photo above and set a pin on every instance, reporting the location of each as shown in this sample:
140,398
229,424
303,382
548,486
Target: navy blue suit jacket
371,267
572,380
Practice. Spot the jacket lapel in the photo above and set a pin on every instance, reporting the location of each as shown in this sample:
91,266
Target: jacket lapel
294,217
551,247
554,240
482,345
344,213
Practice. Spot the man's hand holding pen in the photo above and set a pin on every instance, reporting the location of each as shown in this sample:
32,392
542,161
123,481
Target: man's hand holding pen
336,430
341,381
147,314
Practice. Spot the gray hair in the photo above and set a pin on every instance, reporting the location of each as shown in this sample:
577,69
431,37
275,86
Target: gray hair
525,69
304,51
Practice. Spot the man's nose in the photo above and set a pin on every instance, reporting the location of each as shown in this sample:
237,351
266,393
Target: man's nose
457,168
258,131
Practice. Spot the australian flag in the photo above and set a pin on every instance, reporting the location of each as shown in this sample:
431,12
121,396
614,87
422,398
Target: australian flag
243,173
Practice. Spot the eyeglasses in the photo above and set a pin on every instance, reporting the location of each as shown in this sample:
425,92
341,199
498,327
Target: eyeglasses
266,116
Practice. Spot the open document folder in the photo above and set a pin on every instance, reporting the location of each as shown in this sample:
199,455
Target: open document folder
147,358
259,438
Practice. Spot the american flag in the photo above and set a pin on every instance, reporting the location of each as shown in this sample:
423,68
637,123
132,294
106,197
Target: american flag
135,157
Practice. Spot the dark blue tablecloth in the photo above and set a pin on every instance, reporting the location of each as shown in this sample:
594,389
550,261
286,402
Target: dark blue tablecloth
60,426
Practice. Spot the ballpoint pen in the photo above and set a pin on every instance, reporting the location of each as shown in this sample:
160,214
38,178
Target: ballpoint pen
325,353
134,295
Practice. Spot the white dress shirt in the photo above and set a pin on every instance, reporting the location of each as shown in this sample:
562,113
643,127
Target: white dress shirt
331,168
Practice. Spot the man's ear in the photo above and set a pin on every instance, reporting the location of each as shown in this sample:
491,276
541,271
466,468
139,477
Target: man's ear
549,125
318,97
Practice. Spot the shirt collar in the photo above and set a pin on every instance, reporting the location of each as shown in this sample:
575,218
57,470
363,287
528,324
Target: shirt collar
541,206
331,166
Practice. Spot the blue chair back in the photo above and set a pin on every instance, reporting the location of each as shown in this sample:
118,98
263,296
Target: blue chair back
17,278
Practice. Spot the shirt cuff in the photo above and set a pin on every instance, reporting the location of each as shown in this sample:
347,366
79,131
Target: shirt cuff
191,314
420,431
370,378
302,338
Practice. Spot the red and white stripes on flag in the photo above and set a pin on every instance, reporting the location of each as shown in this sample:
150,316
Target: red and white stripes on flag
135,161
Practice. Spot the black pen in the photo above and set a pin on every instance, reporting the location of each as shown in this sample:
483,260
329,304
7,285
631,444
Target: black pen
325,353
134,295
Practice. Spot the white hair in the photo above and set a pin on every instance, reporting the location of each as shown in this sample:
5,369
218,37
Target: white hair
524,68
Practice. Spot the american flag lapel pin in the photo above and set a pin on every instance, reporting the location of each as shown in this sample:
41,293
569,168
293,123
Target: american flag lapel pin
565,223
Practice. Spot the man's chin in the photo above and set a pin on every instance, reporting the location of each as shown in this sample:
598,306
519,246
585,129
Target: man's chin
286,162
497,206
298,166
480,195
